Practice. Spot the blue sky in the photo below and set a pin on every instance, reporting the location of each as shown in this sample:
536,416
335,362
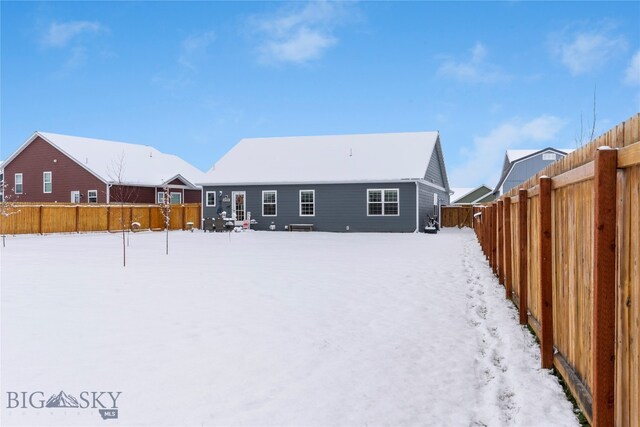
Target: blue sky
193,78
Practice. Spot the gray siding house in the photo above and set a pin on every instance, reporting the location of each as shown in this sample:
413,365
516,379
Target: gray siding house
339,183
520,165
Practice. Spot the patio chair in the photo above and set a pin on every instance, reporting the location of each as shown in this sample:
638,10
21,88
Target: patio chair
219,224
207,224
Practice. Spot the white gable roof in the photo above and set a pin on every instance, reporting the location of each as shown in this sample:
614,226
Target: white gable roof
142,164
333,158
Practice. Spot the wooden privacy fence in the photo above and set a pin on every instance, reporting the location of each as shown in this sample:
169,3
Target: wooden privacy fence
457,216
39,218
566,246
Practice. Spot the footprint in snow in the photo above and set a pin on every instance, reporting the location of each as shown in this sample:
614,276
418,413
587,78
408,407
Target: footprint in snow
482,312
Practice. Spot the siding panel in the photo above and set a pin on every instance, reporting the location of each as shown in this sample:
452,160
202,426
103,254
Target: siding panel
434,173
336,207
67,175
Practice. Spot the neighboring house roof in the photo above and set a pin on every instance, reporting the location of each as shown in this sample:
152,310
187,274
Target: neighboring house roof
459,192
470,195
332,158
141,164
515,156
489,197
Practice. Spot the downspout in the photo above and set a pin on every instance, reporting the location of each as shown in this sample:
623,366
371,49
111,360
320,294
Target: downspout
417,209
202,202
108,193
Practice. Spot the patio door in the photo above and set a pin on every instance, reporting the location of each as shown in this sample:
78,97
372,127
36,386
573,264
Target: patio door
239,205
75,197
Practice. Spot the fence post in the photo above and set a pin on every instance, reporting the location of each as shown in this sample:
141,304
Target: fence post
494,250
604,288
487,233
500,242
545,273
40,229
523,234
508,249
77,218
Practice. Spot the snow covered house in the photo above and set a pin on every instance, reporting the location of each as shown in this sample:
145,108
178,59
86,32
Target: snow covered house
469,196
520,165
50,167
370,182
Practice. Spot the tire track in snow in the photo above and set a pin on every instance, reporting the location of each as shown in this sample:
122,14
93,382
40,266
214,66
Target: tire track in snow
495,403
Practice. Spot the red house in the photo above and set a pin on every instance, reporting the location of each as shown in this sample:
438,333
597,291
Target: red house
59,168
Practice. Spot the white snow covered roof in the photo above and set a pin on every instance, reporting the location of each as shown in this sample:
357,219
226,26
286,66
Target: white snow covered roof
142,164
332,158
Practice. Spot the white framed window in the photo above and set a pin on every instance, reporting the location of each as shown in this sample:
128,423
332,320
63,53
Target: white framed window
160,197
549,156
46,182
307,202
92,196
383,202
211,198
17,188
270,203
176,198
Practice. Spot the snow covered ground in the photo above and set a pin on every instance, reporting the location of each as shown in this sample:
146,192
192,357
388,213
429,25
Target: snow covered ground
266,328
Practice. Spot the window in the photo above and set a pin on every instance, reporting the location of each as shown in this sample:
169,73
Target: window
549,156
383,202
17,189
269,203
46,182
307,202
211,198
92,196
176,198
160,197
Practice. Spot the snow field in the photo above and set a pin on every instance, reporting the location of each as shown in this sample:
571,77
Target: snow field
269,328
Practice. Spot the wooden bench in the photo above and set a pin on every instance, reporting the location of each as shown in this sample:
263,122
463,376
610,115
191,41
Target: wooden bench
300,227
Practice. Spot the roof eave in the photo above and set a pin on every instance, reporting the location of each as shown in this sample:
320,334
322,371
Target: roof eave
360,181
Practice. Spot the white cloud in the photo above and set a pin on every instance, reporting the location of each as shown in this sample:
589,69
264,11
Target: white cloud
585,51
298,34
61,34
193,47
474,70
303,46
78,58
482,162
632,74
